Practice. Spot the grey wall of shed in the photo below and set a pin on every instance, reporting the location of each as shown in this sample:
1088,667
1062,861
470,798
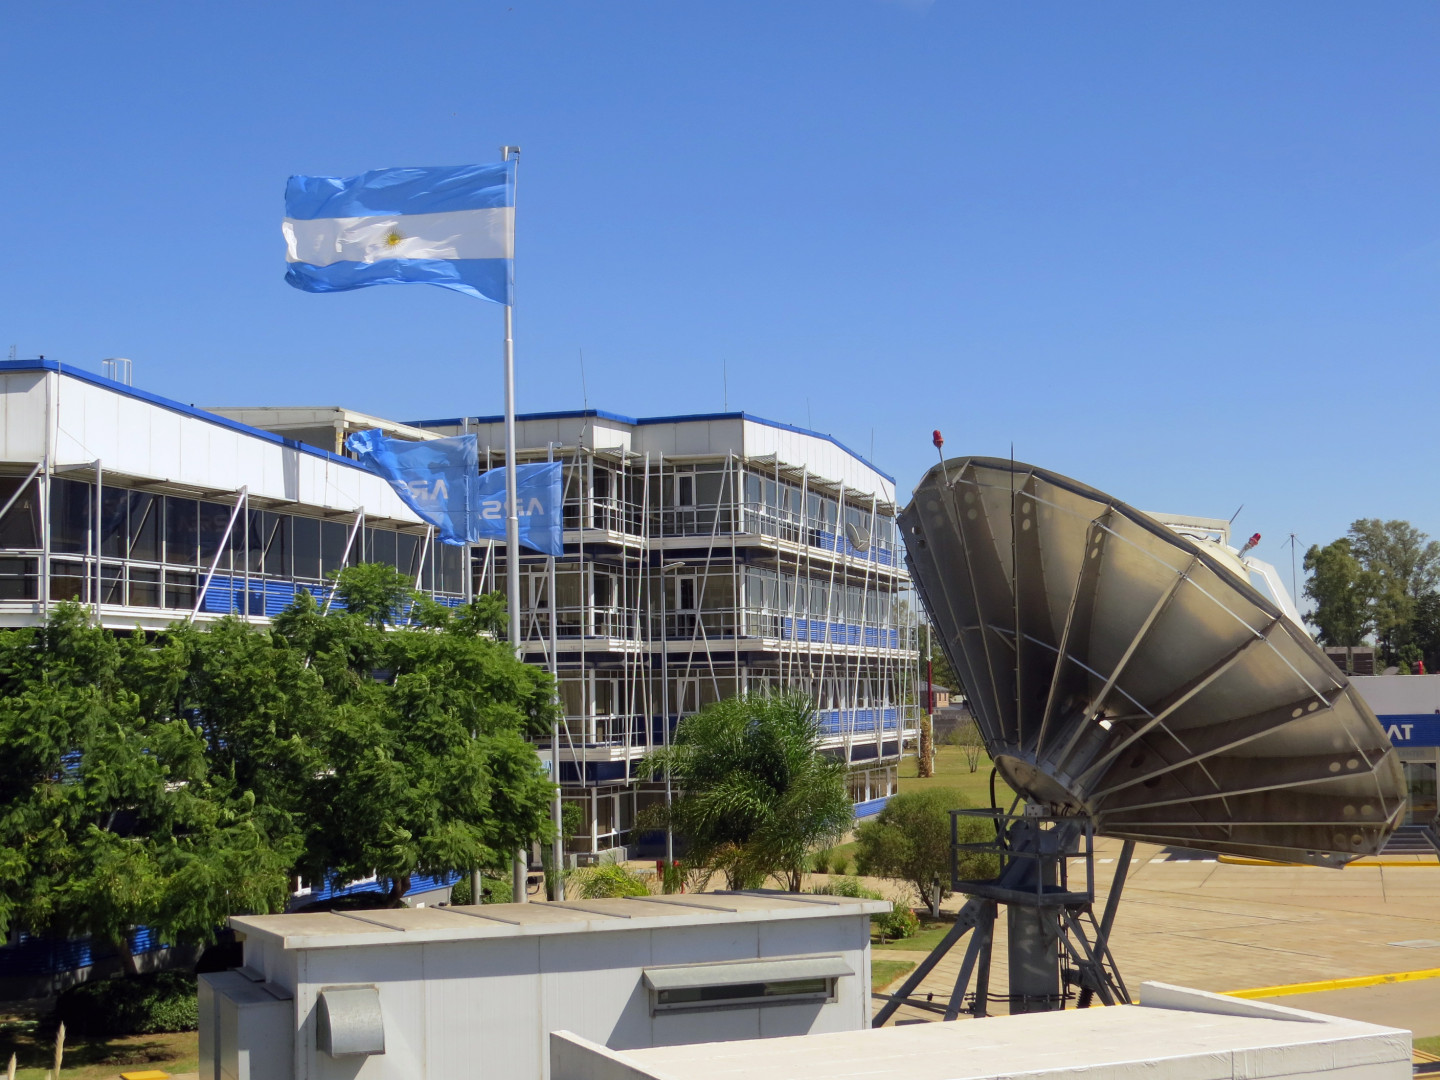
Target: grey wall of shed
484,1008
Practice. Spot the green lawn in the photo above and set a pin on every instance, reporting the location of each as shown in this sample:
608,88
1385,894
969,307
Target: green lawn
885,972
96,1059
1430,1045
953,770
931,931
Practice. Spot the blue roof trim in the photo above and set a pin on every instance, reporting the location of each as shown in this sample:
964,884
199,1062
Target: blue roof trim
641,421
175,406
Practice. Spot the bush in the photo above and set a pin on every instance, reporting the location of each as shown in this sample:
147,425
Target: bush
846,886
493,890
909,840
606,881
820,861
897,924
139,1005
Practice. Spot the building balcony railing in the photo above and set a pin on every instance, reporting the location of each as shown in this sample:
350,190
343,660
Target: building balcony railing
724,519
716,624
595,732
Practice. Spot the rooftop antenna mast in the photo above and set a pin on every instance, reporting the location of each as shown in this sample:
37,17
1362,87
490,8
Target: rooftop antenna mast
1294,588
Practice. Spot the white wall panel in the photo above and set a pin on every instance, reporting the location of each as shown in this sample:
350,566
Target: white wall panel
140,438
482,1008
591,985
22,412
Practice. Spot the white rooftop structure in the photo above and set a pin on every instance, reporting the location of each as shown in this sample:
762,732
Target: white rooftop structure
442,992
1174,1034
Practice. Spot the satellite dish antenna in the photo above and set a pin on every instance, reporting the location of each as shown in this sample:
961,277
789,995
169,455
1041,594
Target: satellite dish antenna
1128,682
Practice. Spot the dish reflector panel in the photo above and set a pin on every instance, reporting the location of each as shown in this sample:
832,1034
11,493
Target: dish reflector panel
1120,671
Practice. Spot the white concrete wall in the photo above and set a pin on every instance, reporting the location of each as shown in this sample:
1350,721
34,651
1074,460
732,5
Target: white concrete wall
1174,1034
146,440
483,1009
697,438
1399,695
823,458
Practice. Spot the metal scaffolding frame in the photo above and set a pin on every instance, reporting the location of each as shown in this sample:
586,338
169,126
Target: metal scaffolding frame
631,659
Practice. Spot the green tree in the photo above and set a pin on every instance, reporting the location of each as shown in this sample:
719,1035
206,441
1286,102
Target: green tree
426,766
1425,630
173,780
1343,591
110,815
1405,566
909,840
757,794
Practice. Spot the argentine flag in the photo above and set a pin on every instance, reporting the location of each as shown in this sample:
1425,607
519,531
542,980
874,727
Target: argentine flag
452,226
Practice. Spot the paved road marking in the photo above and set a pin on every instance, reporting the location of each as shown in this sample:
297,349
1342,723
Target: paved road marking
1335,984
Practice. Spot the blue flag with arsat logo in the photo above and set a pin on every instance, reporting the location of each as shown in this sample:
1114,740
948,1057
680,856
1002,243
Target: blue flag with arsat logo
438,480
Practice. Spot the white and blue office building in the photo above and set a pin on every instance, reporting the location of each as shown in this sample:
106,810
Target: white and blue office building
707,556
704,556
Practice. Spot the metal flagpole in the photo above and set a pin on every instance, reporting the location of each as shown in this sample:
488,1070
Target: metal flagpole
557,809
512,515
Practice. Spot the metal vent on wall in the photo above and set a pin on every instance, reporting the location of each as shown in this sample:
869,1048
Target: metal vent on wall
1121,671
349,1021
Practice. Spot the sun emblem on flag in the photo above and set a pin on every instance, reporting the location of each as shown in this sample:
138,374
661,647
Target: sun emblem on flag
394,238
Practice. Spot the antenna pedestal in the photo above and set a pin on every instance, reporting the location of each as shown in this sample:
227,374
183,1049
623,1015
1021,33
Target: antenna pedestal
1057,950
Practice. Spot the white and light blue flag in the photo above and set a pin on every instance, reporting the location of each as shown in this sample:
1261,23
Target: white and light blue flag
452,226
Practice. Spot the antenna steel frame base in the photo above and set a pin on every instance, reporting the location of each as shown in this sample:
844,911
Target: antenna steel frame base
1057,949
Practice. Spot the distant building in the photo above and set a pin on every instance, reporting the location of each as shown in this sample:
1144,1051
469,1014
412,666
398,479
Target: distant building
933,694
1353,660
1409,709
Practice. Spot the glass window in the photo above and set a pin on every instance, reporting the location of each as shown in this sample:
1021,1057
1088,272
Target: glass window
775,992
19,579
112,583
380,546
604,589
179,590
333,535
255,535
145,513
68,580
277,545
305,534
69,516
114,526
407,552
144,587
709,487
20,527
213,519
452,559
182,531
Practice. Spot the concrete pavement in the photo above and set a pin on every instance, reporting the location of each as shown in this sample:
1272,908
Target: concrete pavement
1187,918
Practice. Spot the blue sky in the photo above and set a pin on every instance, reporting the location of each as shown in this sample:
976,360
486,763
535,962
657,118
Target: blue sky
1186,253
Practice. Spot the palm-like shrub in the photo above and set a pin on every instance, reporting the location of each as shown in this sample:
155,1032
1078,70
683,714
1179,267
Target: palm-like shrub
756,793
